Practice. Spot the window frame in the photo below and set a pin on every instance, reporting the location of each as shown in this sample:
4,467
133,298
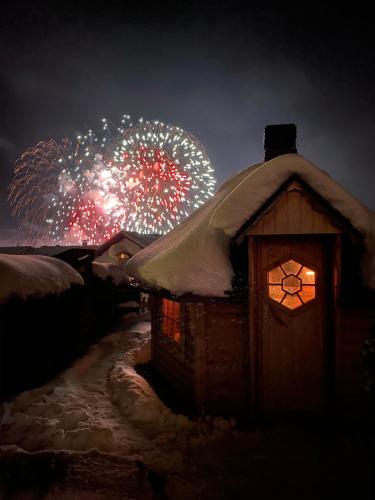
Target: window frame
171,320
288,295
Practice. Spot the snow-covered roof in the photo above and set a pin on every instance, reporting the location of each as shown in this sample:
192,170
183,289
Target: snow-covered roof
106,270
195,256
34,275
142,240
52,251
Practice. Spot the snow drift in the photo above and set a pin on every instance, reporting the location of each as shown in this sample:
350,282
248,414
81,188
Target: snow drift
101,402
35,275
194,257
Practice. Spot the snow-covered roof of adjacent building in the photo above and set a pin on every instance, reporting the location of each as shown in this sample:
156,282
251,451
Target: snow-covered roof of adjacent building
51,251
106,270
195,256
34,275
142,240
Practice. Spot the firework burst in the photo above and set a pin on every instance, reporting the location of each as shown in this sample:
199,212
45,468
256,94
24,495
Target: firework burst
162,174
144,176
36,177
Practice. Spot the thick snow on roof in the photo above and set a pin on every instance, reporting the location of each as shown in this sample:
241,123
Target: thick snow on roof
194,257
106,270
34,275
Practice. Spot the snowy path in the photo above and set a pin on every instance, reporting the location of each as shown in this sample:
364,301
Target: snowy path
96,431
101,423
75,411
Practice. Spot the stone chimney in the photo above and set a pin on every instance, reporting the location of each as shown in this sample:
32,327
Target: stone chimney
279,140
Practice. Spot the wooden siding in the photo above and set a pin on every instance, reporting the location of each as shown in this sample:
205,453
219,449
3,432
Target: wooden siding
355,325
225,361
294,212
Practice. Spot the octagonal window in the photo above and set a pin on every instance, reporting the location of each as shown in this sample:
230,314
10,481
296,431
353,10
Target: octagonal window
291,284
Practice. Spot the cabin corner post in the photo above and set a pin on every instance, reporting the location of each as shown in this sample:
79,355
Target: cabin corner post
336,327
253,321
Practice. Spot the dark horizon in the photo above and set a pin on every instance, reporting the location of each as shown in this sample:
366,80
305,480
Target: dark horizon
222,73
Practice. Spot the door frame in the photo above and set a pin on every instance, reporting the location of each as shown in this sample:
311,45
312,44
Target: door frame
332,249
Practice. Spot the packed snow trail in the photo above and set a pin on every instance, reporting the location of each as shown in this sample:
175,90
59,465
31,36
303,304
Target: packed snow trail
94,419
102,403
75,411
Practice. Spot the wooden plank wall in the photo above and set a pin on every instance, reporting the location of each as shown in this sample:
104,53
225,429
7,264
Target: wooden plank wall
223,366
294,212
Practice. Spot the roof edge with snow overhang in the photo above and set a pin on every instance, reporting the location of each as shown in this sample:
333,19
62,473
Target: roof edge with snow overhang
195,257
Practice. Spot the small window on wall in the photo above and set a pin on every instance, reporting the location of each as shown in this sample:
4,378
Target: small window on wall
123,257
171,321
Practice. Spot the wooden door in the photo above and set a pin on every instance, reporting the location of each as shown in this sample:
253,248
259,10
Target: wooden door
291,325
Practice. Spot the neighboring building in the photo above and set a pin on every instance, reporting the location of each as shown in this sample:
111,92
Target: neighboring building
263,297
122,246
109,261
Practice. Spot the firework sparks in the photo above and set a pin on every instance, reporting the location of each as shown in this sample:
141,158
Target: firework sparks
144,177
162,174
36,177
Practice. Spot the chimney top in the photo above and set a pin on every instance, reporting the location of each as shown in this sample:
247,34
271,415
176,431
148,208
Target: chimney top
279,140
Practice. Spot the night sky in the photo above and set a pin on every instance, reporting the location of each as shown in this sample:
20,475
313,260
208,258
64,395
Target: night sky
219,70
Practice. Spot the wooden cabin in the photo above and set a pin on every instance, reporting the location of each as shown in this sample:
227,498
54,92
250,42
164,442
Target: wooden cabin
123,245
263,310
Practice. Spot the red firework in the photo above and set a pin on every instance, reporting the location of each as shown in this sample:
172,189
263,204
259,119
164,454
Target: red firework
88,219
153,180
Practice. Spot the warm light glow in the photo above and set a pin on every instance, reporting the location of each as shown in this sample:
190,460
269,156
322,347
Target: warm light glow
171,320
123,256
291,284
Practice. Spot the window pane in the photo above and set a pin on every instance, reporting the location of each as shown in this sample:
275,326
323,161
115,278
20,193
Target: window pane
291,267
276,292
307,276
276,275
171,319
291,284
307,293
292,301
176,311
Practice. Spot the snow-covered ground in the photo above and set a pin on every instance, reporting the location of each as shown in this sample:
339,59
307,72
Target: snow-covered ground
102,405
99,432
100,402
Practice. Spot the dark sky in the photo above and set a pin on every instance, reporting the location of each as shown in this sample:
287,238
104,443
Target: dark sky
220,70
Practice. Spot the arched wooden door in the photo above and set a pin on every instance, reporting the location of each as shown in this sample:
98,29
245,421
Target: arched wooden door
290,325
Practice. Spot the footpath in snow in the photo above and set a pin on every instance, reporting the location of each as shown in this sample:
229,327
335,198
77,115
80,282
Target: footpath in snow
99,432
100,407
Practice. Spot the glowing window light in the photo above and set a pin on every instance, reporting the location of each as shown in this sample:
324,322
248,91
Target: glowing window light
291,284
